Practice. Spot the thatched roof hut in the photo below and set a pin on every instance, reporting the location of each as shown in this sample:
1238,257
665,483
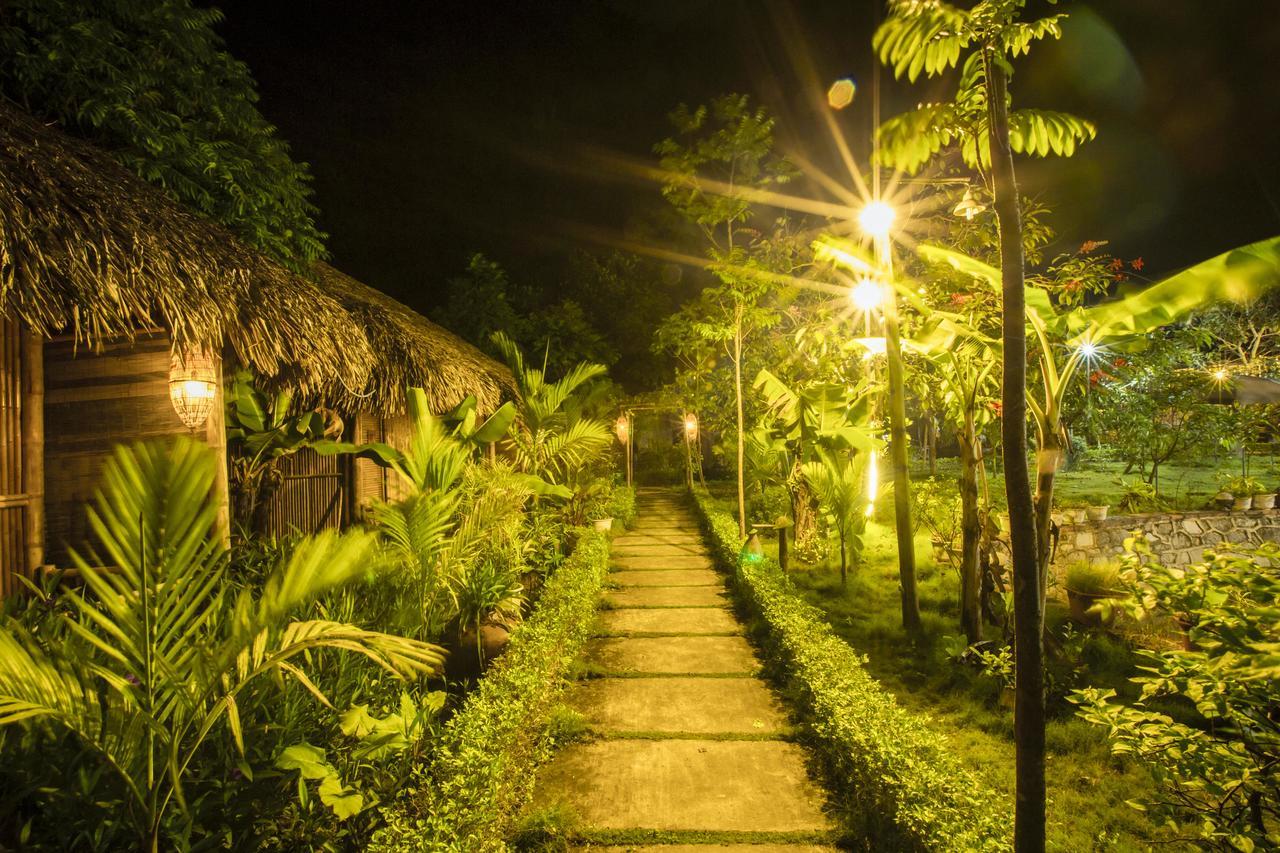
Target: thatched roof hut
89,249
413,351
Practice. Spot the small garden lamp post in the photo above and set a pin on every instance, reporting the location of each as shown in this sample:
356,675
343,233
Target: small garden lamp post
690,436
622,427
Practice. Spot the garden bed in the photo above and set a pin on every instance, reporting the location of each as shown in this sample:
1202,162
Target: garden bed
481,776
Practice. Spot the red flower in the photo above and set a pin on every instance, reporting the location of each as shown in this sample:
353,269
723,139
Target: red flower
959,298
1120,362
1120,277
997,407
1072,285
1089,245
1116,264
1137,263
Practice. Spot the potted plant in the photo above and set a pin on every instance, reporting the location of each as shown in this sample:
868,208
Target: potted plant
1264,500
1242,490
489,601
1097,513
1091,587
1073,511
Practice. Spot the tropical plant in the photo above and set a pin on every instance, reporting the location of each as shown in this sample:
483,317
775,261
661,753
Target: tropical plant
841,484
1217,773
262,430
155,656
1094,577
153,82
467,425
550,439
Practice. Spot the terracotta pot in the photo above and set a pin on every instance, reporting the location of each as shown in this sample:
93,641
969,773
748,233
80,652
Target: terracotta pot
464,662
1264,501
1242,503
1082,611
1096,513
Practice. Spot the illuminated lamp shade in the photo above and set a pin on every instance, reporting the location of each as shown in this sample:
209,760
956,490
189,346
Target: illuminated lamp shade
969,207
691,425
622,428
193,386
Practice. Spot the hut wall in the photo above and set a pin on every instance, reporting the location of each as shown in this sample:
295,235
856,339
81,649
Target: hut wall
21,441
314,494
371,482
94,401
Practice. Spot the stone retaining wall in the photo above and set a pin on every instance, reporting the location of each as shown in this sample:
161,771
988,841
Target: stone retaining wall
1177,538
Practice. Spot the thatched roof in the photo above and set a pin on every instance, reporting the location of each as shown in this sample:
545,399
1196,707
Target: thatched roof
90,249
413,351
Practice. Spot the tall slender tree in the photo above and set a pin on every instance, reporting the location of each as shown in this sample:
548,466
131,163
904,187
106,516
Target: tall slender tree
930,36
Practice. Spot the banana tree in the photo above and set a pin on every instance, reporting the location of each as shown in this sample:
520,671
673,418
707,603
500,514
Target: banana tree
821,415
155,653
1235,275
263,429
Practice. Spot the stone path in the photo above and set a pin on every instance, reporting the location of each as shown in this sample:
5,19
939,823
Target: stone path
687,745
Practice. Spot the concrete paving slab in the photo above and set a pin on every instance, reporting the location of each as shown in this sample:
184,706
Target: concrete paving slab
673,655
711,848
683,620
658,549
660,577
661,561
667,596
744,786
688,705
683,538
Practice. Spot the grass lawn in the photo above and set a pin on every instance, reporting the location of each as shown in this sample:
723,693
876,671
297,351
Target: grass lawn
1087,785
1182,486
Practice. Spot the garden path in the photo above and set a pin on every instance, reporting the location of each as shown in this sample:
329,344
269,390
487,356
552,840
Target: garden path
688,748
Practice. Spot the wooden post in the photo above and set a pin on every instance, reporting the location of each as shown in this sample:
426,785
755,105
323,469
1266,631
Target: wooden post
784,558
33,445
215,435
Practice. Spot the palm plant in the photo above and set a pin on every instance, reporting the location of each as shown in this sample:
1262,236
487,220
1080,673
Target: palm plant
840,481
551,438
155,654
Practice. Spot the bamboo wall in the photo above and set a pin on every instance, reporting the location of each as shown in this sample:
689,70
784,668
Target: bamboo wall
315,494
21,443
94,401
370,481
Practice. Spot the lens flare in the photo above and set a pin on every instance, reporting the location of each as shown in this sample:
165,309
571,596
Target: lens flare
841,93
867,295
876,219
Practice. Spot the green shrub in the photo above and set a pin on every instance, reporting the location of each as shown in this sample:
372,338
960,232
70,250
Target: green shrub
622,504
891,769
1094,578
470,795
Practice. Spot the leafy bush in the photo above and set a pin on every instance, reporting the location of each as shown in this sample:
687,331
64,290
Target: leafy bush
1094,578
622,504
1218,775
891,769
481,777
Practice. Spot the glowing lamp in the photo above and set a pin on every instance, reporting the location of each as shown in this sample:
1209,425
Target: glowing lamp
622,428
867,295
1088,349
193,386
1221,374
968,207
876,219
691,425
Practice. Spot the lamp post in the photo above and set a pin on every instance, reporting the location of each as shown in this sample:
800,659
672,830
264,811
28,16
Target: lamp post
622,427
690,434
876,219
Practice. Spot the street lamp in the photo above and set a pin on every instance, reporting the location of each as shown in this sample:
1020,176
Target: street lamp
867,295
968,207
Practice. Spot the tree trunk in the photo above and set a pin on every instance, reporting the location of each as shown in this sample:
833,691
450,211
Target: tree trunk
1048,460
742,444
1029,710
970,537
844,563
901,474
804,509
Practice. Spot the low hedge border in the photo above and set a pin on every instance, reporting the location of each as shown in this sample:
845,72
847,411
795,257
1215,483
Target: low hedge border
480,777
894,774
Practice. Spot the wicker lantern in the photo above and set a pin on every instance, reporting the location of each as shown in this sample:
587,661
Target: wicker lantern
691,426
193,386
622,428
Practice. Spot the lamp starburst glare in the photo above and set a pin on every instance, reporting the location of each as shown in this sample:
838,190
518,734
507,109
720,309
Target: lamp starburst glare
876,218
867,295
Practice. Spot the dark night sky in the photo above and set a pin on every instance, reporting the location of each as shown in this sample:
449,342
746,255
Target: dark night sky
436,129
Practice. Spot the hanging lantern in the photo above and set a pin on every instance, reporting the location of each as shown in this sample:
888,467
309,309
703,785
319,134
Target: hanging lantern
193,386
622,427
691,425
968,207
